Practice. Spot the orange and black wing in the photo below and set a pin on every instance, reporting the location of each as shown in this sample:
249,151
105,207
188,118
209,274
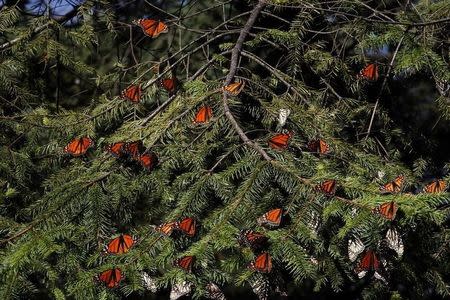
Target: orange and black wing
148,160
78,146
436,186
116,149
134,149
132,93
319,146
368,262
394,186
187,226
169,84
262,263
328,187
252,239
234,88
185,263
203,115
369,72
388,210
280,141
166,228
152,28
121,244
272,218
111,278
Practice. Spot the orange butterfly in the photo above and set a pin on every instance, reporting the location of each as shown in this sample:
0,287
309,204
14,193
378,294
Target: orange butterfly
369,262
387,210
252,239
203,115
132,93
234,88
79,146
393,186
169,84
319,146
111,277
121,244
262,263
134,149
436,186
152,28
272,218
185,262
148,160
328,187
369,72
116,149
280,141
166,228
187,226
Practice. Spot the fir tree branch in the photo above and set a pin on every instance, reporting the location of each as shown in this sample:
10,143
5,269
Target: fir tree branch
38,29
235,54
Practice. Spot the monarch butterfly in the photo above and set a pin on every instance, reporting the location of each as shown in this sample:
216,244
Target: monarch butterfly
272,218
262,263
187,226
283,116
203,115
180,289
393,186
234,88
185,263
328,187
152,28
79,146
166,228
387,210
121,244
280,141
148,282
369,72
261,287
252,239
111,278
394,241
148,160
169,84
214,292
369,262
319,146
134,149
436,186
116,149
355,248
132,93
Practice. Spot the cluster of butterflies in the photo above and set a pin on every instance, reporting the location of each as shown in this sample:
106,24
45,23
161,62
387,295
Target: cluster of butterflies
134,151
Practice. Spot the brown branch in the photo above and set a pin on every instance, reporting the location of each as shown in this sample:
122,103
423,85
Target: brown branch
235,54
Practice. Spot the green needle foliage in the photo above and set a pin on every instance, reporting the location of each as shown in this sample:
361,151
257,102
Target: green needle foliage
61,75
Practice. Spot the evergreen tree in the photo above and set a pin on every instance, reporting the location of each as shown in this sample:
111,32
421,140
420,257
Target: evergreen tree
197,146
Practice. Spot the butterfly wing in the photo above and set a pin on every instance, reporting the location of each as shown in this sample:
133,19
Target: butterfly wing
368,262
185,263
78,146
214,292
234,88
148,160
169,84
120,244
152,28
166,228
134,149
262,263
370,72
324,148
436,186
252,239
116,149
132,93
111,278
203,115
187,226
328,187
271,218
388,210
280,141
393,186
